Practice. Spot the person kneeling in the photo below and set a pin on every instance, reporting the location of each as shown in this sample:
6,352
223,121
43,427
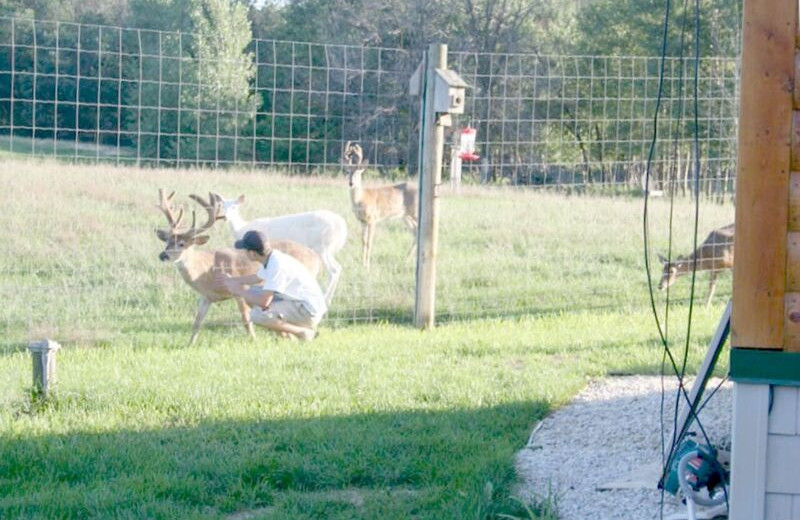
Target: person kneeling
285,298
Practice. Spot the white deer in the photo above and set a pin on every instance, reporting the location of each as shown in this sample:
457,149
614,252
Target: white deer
197,266
715,255
323,231
373,205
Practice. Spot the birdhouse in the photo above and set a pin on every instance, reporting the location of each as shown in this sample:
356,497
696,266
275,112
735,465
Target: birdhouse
449,97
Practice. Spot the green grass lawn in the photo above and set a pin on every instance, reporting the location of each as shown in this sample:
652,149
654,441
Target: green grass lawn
374,419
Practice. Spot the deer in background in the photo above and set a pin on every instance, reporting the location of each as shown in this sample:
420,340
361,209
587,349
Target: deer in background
197,266
373,205
715,255
322,231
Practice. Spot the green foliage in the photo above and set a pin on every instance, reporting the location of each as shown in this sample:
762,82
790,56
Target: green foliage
164,15
190,97
635,28
225,73
44,9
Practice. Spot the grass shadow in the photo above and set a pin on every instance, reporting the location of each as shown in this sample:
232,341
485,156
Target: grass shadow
383,465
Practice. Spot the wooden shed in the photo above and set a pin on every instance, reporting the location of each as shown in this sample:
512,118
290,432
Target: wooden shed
765,323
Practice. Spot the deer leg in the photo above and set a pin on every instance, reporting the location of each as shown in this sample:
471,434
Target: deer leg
365,245
202,310
712,284
244,310
370,243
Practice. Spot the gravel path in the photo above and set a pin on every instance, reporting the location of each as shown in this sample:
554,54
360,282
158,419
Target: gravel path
611,429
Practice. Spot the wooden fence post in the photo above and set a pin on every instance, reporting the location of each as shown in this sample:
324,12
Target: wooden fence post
430,179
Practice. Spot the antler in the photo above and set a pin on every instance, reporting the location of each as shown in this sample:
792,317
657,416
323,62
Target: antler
212,210
165,205
353,150
214,197
214,204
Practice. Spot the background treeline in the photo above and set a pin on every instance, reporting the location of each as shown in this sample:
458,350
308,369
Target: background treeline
582,27
212,81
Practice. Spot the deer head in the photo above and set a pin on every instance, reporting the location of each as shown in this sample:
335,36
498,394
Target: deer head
180,238
225,207
671,270
354,161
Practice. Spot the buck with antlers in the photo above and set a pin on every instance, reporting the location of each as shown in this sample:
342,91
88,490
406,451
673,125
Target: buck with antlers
323,231
714,255
374,205
198,267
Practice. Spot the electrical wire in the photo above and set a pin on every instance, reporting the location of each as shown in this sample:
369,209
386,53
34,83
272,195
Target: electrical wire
663,329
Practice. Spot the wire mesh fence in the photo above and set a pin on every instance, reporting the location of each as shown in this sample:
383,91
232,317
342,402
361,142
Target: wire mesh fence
82,264
146,97
588,121
151,98
129,98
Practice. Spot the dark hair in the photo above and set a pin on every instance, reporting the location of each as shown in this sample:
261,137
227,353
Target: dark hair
253,241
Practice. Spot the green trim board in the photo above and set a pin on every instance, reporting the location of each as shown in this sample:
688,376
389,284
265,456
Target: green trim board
765,367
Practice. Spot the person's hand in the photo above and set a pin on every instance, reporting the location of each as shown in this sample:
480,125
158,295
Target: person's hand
223,279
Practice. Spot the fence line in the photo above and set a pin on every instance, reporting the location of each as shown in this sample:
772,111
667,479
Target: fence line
90,92
100,94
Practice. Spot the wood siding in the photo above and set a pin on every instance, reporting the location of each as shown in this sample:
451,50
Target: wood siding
762,189
783,455
766,453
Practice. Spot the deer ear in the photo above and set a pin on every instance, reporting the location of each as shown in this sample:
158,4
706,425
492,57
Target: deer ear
202,239
240,200
162,235
662,259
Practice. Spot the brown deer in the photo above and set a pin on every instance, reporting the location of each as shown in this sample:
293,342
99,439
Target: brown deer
373,205
307,256
715,255
197,266
323,231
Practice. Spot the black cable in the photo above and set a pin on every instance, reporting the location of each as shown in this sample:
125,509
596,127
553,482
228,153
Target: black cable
646,223
680,97
663,331
695,133
694,409
709,396
678,129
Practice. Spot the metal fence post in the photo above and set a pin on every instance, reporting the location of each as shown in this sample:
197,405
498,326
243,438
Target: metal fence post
43,354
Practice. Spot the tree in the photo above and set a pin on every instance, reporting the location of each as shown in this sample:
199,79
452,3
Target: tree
199,83
62,10
225,73
635,28
163,15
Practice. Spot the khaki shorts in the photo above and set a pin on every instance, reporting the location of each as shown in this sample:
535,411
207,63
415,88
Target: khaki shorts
290,311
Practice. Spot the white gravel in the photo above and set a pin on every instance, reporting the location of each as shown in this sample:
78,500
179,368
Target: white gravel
611,429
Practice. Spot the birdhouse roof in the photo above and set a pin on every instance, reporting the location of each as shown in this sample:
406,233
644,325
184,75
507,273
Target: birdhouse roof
452,78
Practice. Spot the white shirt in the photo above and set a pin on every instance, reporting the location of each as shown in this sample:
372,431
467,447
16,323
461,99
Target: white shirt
290,280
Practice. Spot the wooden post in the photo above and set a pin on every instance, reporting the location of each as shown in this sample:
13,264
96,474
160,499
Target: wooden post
765,324
762,184
430,178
